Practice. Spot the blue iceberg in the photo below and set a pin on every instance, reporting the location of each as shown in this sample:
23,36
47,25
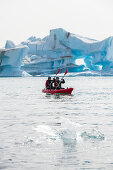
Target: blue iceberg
11,60
61,49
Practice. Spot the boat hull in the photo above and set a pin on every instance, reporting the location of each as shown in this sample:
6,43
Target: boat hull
60,91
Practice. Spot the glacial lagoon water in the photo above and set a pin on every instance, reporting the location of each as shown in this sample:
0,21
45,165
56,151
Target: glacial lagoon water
56,132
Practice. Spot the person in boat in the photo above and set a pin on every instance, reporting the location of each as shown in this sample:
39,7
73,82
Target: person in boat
54,80
49,83
57,84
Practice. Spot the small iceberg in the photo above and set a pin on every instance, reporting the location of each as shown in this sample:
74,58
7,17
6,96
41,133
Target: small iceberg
93,135
67,132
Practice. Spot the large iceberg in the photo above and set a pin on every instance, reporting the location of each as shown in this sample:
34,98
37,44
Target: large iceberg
62,49
11,60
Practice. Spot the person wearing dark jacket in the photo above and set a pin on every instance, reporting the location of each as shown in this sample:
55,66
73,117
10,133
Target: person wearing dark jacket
57,84
49,83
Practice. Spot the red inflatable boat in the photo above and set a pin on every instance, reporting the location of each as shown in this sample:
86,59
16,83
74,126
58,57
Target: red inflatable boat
61,91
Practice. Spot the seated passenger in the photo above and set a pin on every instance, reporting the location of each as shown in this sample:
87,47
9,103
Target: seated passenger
57,84
49,83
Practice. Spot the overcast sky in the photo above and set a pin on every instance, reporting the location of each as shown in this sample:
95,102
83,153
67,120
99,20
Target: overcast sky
20,19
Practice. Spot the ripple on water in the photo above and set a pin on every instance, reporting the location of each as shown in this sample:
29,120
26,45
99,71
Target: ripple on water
56,144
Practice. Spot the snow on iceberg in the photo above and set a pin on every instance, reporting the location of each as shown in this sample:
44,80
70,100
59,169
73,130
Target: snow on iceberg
11,60
61,49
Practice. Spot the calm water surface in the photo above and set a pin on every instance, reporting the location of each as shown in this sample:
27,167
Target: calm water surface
56,132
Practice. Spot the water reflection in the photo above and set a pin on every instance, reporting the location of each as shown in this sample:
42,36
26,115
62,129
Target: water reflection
58,96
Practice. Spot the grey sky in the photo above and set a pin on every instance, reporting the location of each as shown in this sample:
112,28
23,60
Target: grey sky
20,19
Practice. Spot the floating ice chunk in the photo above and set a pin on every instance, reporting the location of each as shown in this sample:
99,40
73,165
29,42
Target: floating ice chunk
68,132
93,135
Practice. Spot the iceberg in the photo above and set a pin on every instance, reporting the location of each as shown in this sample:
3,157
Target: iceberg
62,49
11,60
